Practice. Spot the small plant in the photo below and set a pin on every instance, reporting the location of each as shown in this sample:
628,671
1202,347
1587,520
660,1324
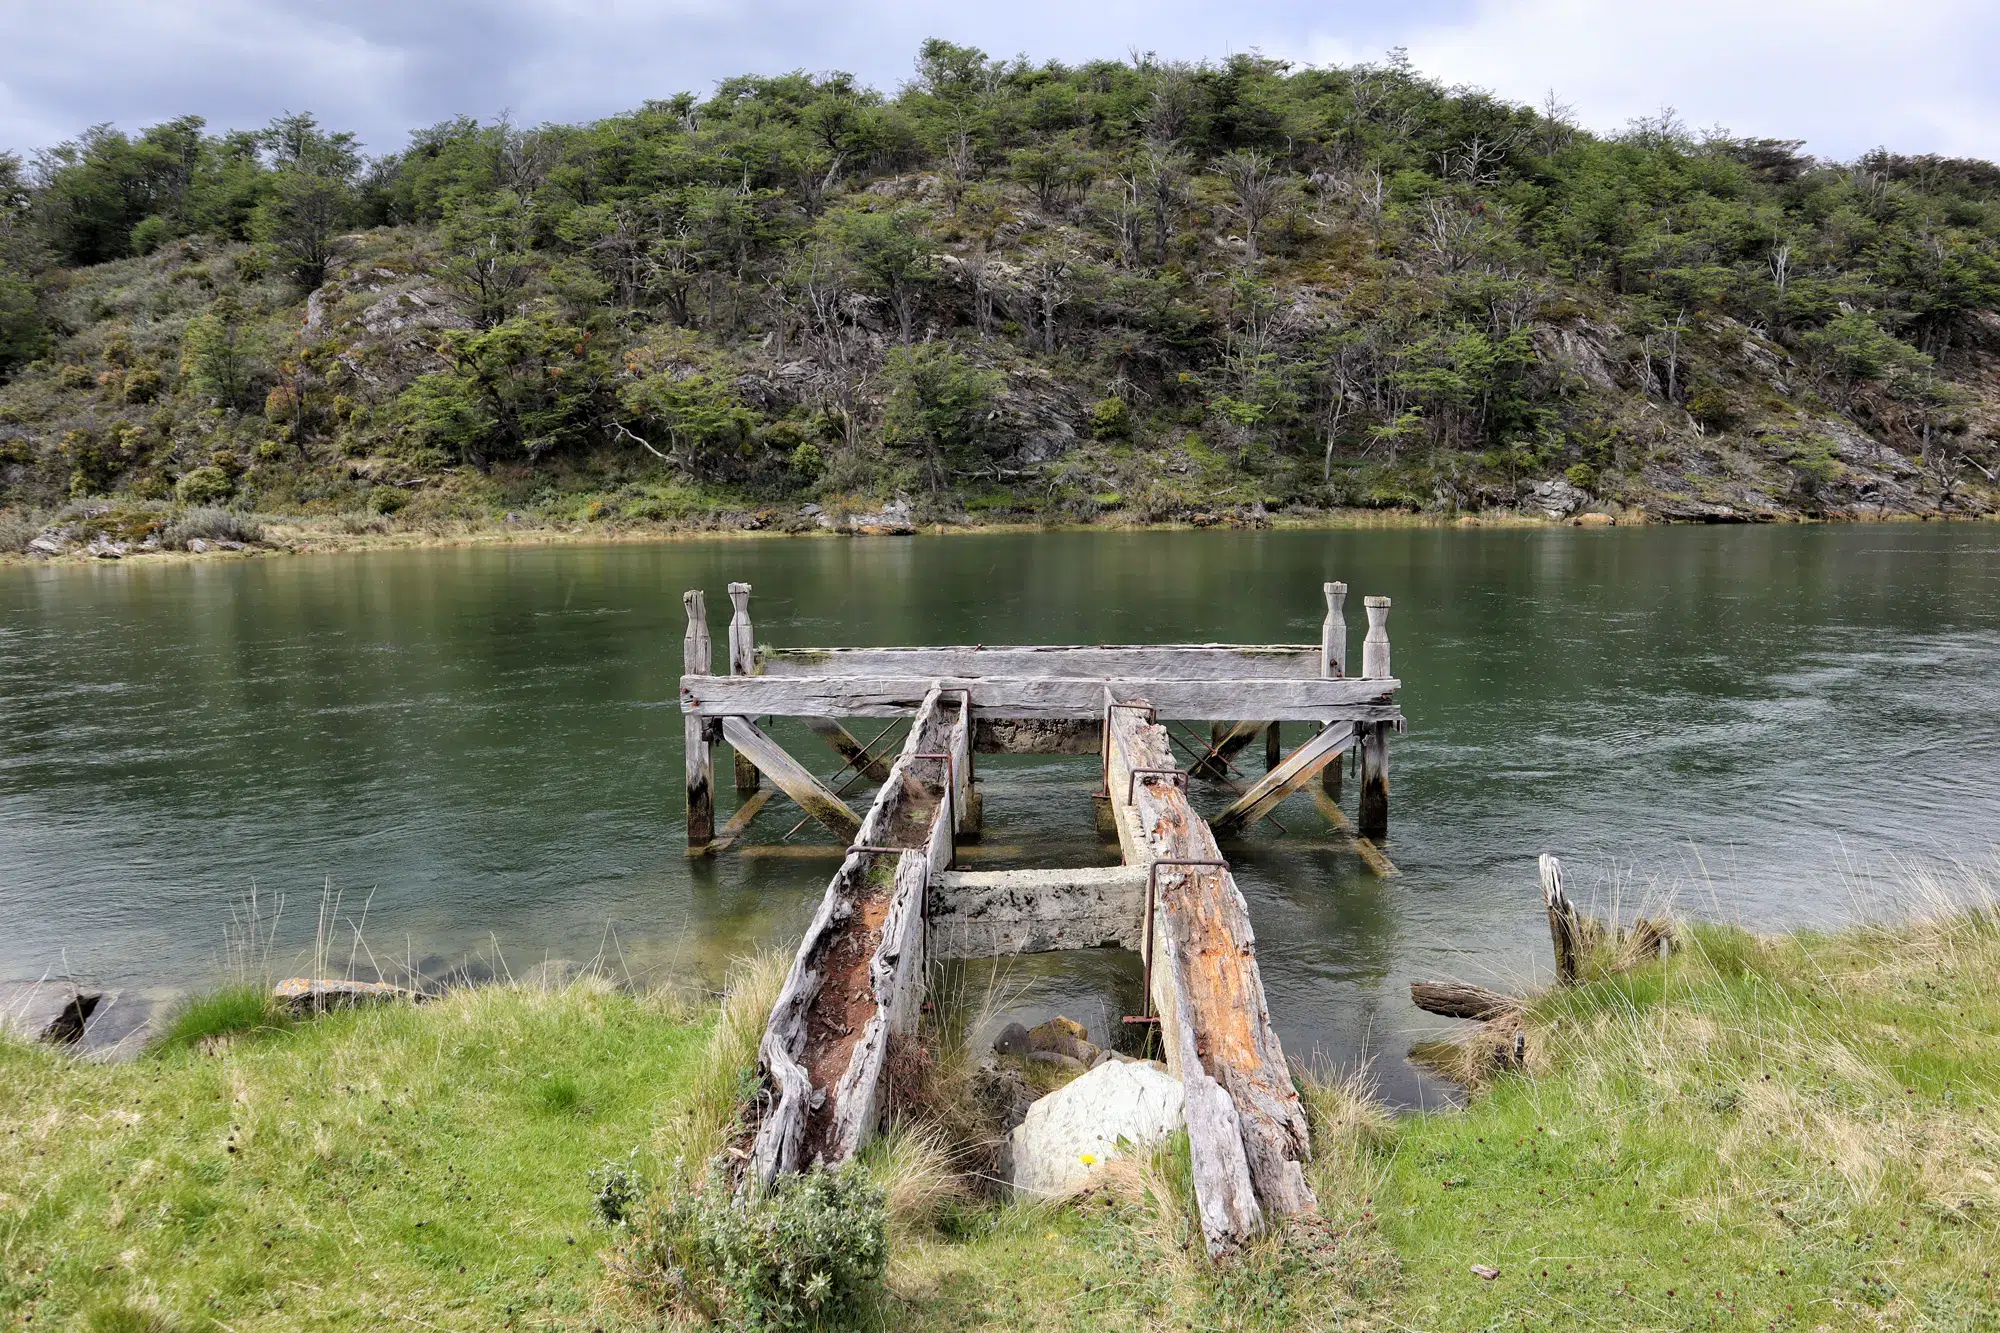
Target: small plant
16,531
616,1187
1582,476
209,524
1110,419
810,1253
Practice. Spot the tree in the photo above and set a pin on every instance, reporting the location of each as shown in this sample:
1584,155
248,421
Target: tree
486,261
312,195
1260,190
891,252
218,354
940,408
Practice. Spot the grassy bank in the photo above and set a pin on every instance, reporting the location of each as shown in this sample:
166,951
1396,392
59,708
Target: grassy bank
1796,1132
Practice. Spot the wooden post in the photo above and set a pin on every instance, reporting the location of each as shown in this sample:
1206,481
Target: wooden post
742,662
1333,662
696,660
1565,930
1273,747
1333,634
1374,821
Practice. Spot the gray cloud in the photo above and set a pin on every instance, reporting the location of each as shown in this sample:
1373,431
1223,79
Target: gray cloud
1844,74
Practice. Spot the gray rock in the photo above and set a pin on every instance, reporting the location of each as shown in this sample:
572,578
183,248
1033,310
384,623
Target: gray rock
124,1022
46,544
1013,1040
318,994
51,1011
1557,498
1112,1110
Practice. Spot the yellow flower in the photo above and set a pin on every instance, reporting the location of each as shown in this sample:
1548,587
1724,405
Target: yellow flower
1088,1159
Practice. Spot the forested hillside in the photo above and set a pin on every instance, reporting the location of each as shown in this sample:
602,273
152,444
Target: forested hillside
1143,291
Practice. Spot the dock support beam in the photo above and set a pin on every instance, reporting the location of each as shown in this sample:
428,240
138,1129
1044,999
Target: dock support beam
742,662
1373,823
791,776
1333,664
696,660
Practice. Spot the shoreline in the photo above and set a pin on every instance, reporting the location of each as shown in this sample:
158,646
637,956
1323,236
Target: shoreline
296,535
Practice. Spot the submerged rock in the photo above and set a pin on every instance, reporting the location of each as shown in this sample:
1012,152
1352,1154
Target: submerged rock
1013,1040
1114,1109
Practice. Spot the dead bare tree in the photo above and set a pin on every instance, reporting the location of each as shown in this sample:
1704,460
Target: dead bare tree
1261,190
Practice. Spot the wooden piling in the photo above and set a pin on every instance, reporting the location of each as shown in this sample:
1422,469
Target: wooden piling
742,662
1373,823
697,660
1333,662
1566,930
1274,751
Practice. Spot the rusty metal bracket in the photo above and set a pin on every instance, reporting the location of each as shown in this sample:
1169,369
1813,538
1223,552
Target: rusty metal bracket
1104,740
1152,897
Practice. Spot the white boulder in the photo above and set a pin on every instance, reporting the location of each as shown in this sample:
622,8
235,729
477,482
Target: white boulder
1069,1134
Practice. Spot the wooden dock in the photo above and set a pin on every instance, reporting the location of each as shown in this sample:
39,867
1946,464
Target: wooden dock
896,902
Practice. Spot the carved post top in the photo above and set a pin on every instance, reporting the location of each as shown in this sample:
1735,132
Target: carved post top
742,639
739,596
1375,648
695,650
1333,634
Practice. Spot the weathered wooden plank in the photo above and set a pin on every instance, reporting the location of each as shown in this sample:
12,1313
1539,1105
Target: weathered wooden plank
1191,661
696,660
1305,700
1246,1129
964,798
991,913
848,747
791,776
894,974
1297,769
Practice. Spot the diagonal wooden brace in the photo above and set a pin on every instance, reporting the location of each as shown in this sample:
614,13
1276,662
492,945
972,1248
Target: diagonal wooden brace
849,747
1299,768
791,777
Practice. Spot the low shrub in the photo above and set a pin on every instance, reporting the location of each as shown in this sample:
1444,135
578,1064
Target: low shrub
209,524
810,1253
16,531
204,486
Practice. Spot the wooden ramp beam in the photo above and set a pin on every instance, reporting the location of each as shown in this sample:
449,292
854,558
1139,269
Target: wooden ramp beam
990,913
826,1046
1299,768
1247,1132
791,776
739,822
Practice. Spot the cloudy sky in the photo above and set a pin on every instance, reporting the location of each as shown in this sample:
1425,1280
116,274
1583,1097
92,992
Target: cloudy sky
1846,75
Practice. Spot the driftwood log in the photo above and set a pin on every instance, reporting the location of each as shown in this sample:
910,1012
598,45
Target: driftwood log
1451,999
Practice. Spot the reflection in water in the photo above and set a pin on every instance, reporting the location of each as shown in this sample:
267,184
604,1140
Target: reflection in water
487,741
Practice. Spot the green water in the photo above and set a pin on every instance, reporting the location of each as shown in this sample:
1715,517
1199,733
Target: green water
482,748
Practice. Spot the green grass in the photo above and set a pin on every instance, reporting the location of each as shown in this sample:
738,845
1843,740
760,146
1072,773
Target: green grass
236,1011
1792,1133
384,1167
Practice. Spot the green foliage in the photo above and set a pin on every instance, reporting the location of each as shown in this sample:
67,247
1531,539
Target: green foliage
23,332
218,355
151,234
206,485
527,387
616,1187
940,407
1110,419
809,1253
236,1011
676,392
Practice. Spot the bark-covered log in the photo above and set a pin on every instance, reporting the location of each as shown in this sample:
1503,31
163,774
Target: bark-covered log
1452,999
